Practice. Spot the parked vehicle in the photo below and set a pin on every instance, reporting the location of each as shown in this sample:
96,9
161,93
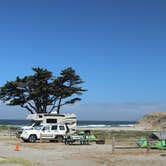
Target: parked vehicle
41,119
51,132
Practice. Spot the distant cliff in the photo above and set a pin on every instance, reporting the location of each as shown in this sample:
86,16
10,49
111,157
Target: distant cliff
153,121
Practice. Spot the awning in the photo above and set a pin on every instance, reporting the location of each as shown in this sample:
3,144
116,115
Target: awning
160,135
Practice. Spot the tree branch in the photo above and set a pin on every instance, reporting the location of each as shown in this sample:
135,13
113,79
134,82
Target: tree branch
30,105
53,106
59,105
31,111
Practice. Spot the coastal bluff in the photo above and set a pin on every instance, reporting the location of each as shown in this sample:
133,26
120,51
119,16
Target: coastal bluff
153,121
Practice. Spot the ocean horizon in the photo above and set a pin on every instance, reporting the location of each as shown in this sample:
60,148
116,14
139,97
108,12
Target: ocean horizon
80,123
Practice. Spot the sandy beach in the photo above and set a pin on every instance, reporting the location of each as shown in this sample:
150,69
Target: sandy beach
59,154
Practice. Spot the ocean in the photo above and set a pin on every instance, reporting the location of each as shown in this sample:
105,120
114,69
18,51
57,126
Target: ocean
80,123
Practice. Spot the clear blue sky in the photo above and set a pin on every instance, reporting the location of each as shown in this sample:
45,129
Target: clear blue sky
118,47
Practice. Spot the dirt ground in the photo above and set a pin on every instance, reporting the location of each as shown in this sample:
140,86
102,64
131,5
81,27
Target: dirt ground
59,154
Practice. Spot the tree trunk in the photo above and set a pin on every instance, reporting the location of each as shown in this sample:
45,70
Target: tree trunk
59,105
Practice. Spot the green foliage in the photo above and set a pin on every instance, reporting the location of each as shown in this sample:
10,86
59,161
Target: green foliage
42,92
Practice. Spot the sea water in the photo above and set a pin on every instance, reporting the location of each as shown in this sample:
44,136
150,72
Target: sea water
80,123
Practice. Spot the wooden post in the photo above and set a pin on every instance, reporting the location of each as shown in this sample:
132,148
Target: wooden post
109,137
113,144
148,144
8,130
41,138
88,141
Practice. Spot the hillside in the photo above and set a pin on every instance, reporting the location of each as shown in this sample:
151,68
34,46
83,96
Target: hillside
153,121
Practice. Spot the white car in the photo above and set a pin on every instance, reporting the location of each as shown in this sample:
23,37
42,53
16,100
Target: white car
50,132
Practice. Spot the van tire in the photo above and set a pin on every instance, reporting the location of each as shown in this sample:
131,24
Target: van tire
32,138
59,138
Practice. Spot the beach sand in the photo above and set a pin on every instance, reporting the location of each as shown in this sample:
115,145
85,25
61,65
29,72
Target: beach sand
59,154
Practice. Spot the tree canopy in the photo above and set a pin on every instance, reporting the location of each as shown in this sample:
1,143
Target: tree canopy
42,92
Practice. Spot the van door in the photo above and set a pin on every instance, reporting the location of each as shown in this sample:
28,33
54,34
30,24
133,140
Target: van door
62,130
46,132
54,130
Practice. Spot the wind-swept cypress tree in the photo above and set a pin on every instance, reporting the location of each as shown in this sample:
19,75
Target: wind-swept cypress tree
42,92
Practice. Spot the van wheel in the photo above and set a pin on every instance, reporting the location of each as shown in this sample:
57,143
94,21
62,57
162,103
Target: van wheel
60,138
32,138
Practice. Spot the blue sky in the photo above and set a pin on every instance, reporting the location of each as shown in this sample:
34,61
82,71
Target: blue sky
118,47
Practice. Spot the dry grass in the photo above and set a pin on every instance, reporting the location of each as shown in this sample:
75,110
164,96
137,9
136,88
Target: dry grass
13,160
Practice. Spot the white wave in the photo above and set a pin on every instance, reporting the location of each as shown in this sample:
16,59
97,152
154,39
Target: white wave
94,126
105,126
126,125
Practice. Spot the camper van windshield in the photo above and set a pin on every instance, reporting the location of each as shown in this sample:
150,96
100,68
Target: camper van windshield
38,127
30,123
33,123
37,123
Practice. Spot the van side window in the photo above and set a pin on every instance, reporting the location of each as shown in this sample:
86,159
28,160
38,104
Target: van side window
54,128
46,128
61,127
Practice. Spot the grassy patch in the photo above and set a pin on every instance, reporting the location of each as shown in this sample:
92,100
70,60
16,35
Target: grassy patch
8,127
121,134
121,137
13,160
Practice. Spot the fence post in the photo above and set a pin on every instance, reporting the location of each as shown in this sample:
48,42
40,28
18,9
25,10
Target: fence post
41,138
8,130
148,144
113,144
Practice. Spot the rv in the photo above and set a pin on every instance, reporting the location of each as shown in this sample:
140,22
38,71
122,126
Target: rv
70,120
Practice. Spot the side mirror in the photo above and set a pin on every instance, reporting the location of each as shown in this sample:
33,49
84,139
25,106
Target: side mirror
43,129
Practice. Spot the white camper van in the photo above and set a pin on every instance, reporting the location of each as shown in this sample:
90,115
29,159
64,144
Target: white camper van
70,120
